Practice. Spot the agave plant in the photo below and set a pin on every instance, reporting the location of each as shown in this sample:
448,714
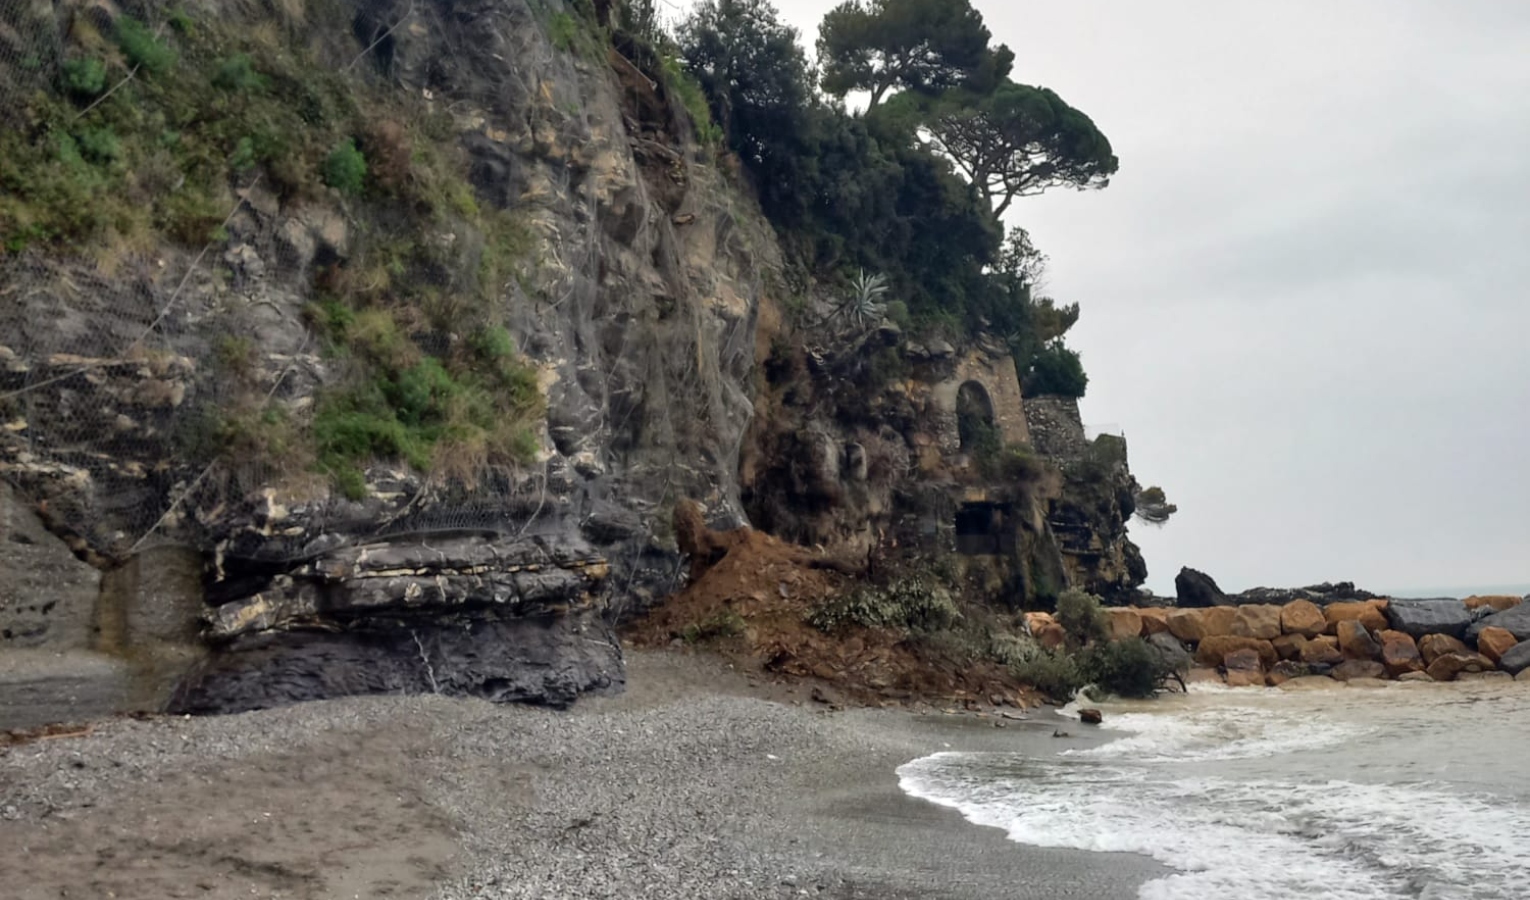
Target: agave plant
863,307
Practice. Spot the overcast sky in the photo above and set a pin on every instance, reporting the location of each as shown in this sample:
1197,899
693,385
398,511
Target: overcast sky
1304,294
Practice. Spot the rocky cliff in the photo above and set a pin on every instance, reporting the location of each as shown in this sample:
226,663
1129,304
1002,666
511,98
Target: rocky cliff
404,326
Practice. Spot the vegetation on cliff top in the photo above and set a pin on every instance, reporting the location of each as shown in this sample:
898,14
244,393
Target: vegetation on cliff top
880,191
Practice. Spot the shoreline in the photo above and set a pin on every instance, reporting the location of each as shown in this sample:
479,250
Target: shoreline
697,782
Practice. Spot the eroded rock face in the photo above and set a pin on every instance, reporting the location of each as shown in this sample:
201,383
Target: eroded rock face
507,619
47,596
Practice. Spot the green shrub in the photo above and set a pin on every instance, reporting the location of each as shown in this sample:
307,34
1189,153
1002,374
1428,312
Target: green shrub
909,605
563,30
143,48
98,145
345,169
237,74
1056,370
243,157
85,78
1126,668
1080,615
1052,672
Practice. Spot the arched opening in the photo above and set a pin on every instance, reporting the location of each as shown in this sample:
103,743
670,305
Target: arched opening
974,418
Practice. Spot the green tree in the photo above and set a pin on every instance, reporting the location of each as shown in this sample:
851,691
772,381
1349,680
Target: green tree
924,45
754,73
1018,141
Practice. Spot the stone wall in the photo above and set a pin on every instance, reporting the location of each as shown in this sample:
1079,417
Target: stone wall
996,373
1056,427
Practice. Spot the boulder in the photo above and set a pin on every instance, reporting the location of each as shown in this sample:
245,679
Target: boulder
1302,617
1168,647
1197,589
1155,619
1414,676
1432,646
1367,612
1323,650
1035,621
1195,625
1051,636
1259,620
1284,671
1515,620
1495,602
1289,646
1355,642
1122,622
1351,669
1090,716
1212,650
1516,660
1447,666
1399,654
1494,642
1421,617
1244,668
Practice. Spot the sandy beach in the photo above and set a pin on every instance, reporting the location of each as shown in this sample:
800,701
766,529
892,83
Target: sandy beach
696,782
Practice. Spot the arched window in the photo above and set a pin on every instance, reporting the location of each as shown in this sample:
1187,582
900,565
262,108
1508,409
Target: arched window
974,418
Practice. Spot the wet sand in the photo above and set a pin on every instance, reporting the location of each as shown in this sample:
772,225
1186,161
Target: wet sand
698,782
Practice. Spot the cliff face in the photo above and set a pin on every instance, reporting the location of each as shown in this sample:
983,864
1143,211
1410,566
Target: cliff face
633,293
191,382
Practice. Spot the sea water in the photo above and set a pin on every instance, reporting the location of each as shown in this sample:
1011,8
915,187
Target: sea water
1404,791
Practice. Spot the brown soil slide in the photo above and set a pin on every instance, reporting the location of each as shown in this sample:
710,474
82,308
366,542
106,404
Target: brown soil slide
749,598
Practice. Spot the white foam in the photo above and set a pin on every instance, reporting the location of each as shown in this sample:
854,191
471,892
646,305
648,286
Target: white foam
1222,732
1232,838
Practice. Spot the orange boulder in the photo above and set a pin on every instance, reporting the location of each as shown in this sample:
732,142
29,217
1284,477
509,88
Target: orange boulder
1433,646
1257,620
1323,650
1494,642
1499,602
1355,642
1399,654
1370,613
1122,622
1448,666
1155,620
1244,668
1302,617
1289,646
1212,650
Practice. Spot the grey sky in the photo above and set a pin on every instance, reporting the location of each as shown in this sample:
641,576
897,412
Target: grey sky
1304,294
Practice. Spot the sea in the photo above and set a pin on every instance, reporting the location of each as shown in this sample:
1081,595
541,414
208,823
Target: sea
1418,791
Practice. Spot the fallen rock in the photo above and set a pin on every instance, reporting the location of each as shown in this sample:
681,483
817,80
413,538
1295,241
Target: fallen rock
1052,636
1515,620
1197,589
1213,650
1494,642
1447,666
1090,716
1497,602
1285,670
1289,646
1367,612
1516,660
1155,619
1399,654
1355,642
1259,620
1122,623
1433,646
1302,617
1244,668
1323,650
1414,676
1351,669
1421,617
